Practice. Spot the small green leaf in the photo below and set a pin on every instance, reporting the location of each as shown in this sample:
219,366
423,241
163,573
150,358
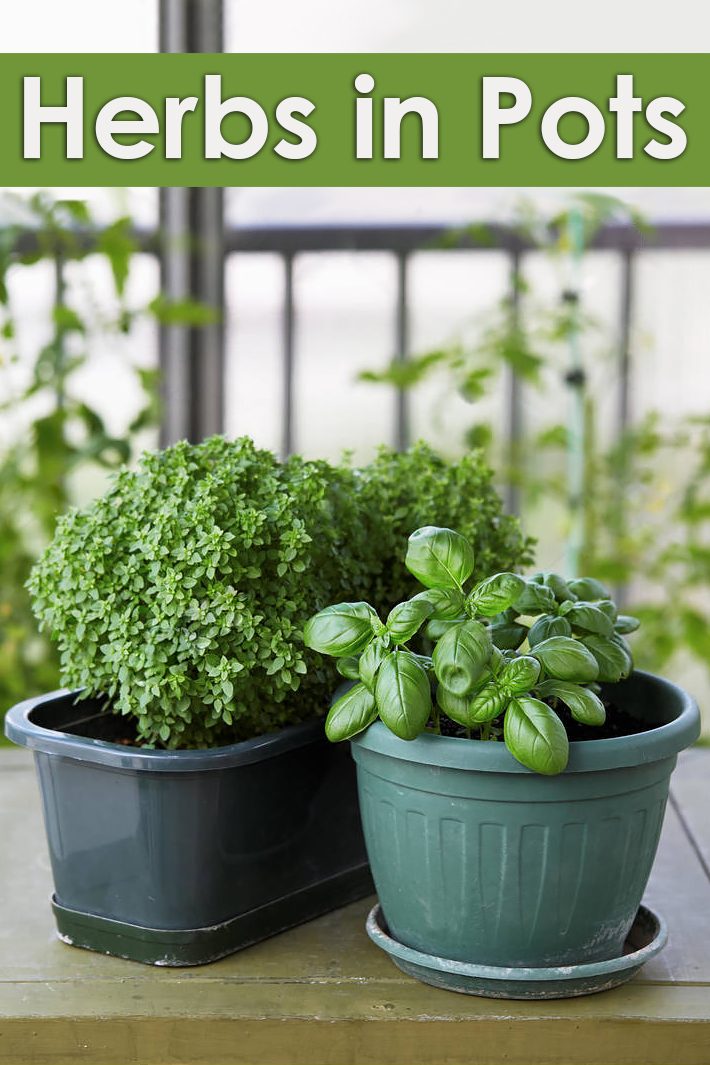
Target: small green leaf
370,661
406,619
461,655
447,604
352,713
497,661
496,593
508,636
403,695
608,607
566,659
588,588
488,704
436,628
626,623
587,618
535,599
349,667
559,587
520,675
623,646
439,558
341,630
547,626
613,658
535,736
584,705
454,706
184,311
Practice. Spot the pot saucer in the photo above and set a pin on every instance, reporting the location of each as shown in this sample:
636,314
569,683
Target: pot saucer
647,937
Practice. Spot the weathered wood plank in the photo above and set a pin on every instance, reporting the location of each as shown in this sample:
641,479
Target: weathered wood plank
680,891
691,794
278,1025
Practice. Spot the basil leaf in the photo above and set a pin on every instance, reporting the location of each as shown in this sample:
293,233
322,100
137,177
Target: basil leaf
608,607
403,695
550,625
559,587
348,667
520,675
436,628
352,713
439,558
626,623
341,630
488,704
447,603
583,704
566,659
535,736
496,593
507,636
587,618
496,662
613,658
406,619
535,599
461,655
454,706
588,588
370,661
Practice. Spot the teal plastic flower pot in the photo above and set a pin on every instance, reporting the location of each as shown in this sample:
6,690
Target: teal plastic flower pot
478,860
181,857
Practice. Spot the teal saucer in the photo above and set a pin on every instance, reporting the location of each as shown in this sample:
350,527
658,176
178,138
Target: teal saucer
647,937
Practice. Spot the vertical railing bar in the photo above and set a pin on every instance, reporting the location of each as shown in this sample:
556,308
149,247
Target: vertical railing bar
288,337
59,294
514,391
401,412
191,240
627,294
624,392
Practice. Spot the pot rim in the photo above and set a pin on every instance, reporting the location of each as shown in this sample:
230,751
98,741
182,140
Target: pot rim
585,756
22,730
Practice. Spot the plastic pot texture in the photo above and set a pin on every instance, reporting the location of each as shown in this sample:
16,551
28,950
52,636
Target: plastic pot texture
476,859
181,857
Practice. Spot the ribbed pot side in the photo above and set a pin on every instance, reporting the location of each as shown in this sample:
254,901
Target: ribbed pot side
476,859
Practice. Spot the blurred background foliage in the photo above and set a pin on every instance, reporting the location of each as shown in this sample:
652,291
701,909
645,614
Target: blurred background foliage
633,510
633,505
52,438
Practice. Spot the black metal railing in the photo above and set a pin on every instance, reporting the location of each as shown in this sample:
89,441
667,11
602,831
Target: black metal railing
193,384
403,241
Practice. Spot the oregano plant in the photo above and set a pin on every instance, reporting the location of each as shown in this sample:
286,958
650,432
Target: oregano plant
180,595
506,653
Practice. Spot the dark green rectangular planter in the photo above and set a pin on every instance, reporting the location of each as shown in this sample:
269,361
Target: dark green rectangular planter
181,857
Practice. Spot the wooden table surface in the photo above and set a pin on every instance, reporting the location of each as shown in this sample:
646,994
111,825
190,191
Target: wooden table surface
323,995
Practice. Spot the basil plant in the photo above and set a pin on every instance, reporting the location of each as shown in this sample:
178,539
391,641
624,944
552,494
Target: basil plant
506,654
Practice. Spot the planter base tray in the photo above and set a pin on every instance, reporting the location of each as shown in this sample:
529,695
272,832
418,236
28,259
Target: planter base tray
647,937
198,946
